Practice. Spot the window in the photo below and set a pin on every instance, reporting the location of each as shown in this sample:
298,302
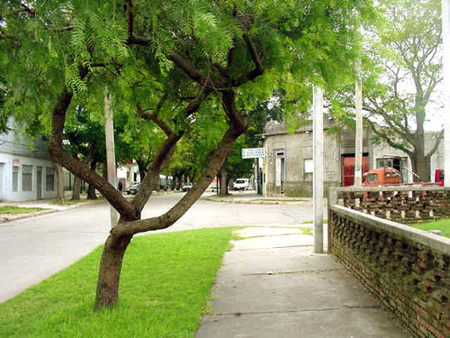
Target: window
308,165
27,178
15,178
372,177
49,179
385,163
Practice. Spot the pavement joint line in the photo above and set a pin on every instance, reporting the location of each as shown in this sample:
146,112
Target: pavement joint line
265,236
276,247
238,313
270,273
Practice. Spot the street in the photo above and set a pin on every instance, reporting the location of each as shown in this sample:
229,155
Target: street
33,249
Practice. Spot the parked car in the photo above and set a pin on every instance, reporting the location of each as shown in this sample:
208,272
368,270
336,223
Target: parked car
241,184
186,186
134,188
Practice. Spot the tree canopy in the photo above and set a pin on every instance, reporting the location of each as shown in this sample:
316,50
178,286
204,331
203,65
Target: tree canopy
170,64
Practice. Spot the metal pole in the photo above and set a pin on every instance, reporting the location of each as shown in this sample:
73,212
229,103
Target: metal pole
318,168
446,62
359,125
110,154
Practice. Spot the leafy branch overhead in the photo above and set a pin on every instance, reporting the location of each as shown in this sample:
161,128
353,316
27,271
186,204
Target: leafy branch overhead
174,69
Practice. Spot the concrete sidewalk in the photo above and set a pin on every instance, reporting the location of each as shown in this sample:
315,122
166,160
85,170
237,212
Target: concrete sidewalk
272,285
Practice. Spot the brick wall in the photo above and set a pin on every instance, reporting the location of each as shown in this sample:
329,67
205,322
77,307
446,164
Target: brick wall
406,205
405,269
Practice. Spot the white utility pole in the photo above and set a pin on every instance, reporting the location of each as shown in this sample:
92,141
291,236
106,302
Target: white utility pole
446,61
359,125
318,168
110,154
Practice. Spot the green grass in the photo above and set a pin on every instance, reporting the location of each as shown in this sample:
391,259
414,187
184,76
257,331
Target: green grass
165,287
312,222
69,201
443,225
13,210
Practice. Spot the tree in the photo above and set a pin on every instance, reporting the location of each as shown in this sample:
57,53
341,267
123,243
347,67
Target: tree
85,140
403,69
217,58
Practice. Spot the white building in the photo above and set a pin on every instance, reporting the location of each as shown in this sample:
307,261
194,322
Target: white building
26,172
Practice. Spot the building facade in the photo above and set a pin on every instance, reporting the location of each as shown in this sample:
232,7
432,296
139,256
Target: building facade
26,172
288,168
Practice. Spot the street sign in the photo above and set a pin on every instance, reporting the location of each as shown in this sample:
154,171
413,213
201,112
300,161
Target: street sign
253,152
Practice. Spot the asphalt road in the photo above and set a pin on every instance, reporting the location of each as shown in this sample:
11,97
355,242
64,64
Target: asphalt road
33,249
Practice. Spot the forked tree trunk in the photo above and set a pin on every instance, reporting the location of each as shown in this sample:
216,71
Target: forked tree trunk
76,192
109,272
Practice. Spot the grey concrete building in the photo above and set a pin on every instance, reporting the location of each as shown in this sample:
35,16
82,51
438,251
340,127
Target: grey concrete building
288,168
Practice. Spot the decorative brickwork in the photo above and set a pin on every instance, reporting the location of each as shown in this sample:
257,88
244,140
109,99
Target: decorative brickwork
406,269
406,205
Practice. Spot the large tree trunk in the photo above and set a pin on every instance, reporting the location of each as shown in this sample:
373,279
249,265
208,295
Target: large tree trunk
223,182
59,182
91,195
109,272
421,167
76,191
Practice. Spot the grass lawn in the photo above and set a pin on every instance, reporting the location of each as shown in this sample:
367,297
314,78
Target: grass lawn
13,210
165,287
443,225
69,201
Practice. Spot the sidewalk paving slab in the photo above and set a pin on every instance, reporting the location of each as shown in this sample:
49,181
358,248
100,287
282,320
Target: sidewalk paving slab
281,290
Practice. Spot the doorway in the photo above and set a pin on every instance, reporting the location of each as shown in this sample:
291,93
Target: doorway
39,183
348,168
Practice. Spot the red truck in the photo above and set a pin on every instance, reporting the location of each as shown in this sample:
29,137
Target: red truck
390,176
381,177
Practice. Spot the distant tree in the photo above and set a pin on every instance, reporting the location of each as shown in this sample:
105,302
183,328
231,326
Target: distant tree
402,69
226,58
85,140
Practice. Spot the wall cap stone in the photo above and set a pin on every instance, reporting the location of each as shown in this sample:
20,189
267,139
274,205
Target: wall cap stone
430,240
411,187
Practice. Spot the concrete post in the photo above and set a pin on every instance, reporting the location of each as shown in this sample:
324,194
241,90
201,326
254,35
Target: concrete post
332,200
110,154
446,62
318,168
359,126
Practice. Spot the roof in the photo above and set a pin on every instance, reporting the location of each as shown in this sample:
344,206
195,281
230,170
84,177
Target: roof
279,128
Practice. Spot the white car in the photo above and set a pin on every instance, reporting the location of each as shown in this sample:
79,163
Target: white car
241,184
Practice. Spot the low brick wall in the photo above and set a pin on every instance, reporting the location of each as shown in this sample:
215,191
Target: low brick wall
406,269
401,204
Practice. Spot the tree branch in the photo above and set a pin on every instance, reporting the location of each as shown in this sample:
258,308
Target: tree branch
130,18
190,70
165,153
59,155
388,139
154,117
436,144
255,57
28,10
225,72
217,159
151,180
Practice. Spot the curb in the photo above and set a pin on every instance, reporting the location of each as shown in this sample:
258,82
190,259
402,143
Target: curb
10,218
256,201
